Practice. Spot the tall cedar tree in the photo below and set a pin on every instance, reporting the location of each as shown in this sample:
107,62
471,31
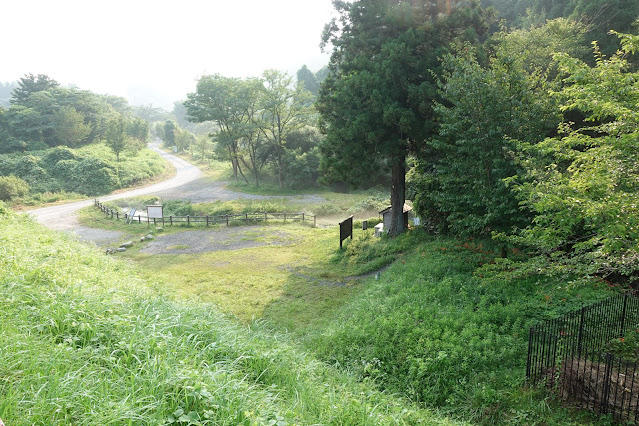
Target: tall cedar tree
376,104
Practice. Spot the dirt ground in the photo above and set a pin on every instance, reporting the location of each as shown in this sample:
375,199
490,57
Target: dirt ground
220,239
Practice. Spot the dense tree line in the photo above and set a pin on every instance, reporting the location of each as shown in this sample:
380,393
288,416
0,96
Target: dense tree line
42,114
43,125
522,134
261,125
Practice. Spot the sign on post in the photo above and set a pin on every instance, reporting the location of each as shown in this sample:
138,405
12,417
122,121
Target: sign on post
345,230
154,212
131,215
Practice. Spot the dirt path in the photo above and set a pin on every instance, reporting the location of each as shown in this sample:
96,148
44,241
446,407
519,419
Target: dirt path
188,184
63,217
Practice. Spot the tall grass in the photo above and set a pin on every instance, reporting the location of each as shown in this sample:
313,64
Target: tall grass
433,329
85,340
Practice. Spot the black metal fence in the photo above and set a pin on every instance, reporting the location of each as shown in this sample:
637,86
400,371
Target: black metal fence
208,220
572,355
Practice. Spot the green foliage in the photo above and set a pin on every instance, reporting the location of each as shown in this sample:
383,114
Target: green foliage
483,109
12,187
89,171
582,185
377,100
254,119
115,137
536,47
69,127
433,329
300,170
89,335
30,84
168,134
308,80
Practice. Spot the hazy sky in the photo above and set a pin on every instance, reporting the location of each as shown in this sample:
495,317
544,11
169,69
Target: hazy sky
154,50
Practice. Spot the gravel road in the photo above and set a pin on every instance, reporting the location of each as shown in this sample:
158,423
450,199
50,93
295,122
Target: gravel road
63,217
188,184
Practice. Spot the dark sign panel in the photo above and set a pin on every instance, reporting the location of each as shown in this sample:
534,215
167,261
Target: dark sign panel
345,230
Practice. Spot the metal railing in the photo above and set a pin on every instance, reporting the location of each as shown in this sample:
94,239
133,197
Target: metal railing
208,220
572,354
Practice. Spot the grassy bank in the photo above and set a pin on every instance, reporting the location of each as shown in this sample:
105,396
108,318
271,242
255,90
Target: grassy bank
430,328
84,339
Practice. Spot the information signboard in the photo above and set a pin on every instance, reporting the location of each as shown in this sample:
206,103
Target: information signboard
154,212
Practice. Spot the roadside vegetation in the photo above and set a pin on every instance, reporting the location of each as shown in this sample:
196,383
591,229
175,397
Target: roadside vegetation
60,143
84,339
64,173
437,325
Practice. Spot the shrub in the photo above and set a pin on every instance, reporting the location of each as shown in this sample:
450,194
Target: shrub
52,157
12,187
92,176
326,209
29,169
371,203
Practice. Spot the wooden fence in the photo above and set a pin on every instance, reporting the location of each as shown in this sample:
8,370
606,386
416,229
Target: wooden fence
208,220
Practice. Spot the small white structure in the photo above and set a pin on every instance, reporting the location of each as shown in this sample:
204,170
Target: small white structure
379,229
387,215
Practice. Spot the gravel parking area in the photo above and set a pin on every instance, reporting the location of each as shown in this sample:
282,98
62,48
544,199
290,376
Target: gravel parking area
225,238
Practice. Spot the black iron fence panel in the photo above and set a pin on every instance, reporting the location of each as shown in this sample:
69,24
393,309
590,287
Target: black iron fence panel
572,356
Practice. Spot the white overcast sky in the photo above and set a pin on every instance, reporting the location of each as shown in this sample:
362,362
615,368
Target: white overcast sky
154,51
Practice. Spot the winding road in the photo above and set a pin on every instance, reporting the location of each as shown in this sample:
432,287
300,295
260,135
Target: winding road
62,217
189,183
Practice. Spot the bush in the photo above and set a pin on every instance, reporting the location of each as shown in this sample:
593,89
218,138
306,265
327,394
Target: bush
326,209
178,208
92,176
52,157
29,169
12,187
371,203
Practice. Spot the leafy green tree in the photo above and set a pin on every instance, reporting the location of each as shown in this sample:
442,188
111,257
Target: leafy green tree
138,130
69,126
169,133
536,46
12,187
308,80
226,102
115,137
376,103
583,185
482,109
284,109
30,84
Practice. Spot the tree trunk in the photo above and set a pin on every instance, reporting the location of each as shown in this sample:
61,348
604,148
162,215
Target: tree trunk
279,165
398,197
233,162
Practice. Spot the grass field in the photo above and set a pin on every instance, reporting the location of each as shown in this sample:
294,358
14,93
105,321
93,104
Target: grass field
85,339
432,332
430,328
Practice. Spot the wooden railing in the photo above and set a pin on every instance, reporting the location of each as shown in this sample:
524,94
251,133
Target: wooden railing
208,220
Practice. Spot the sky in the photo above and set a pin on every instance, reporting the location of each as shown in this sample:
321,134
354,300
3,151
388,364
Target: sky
153,51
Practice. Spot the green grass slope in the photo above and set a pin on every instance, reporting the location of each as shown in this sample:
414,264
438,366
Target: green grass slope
85,340
435,330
